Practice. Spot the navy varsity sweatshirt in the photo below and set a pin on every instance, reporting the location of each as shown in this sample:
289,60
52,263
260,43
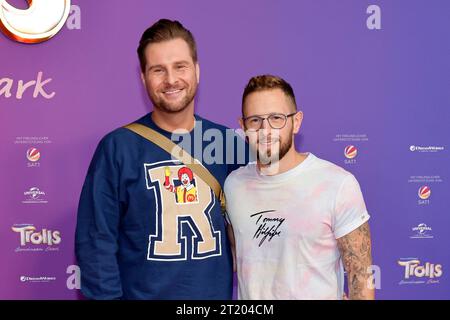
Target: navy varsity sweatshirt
147,226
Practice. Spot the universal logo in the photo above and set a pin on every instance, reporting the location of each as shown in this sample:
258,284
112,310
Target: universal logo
34,195
41,21
422,231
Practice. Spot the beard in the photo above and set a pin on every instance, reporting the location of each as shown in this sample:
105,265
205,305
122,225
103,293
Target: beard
174,106
275,152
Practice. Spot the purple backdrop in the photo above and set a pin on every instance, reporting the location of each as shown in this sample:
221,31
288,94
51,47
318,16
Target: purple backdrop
384,91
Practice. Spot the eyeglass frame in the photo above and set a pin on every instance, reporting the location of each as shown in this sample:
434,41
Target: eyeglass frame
286,116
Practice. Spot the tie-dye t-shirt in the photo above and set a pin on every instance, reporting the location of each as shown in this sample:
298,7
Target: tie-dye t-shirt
286,228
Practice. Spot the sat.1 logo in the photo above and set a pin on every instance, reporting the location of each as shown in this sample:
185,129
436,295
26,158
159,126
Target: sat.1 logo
42,20
33,156
350,153
424,194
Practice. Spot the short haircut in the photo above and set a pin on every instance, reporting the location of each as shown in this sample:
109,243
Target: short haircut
164,30
268,82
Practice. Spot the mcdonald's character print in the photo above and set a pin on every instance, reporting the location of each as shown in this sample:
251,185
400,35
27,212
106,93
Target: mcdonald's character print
186,192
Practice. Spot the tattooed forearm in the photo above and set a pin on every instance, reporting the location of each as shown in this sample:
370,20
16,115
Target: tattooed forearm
355,249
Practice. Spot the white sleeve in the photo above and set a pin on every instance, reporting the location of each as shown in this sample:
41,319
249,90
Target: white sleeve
227,196
350,210
227,217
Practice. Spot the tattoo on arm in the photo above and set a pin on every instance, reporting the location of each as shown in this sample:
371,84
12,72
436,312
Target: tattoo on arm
355,249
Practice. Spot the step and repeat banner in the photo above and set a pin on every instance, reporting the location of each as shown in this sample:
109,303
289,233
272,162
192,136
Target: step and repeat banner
372,78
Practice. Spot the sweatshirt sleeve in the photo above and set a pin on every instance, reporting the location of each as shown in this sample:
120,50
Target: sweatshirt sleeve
96,236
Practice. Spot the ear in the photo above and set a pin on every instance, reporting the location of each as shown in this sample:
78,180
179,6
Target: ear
241,123
197,72
298,118
143,78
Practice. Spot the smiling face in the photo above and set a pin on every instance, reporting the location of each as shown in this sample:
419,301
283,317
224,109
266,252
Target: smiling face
170,76
270,145
185,179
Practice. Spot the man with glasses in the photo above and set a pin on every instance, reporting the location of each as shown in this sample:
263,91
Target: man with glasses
298,220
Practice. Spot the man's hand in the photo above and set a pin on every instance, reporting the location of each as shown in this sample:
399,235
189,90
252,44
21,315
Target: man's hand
355,249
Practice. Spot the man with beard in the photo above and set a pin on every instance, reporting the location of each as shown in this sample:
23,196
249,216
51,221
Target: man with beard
298,220
134,240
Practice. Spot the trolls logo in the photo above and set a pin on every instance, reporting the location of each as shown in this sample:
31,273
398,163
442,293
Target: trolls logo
42,20
28,234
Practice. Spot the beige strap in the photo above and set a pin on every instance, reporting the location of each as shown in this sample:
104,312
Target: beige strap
179,153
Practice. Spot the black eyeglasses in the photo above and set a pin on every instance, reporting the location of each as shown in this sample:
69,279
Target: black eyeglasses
275,120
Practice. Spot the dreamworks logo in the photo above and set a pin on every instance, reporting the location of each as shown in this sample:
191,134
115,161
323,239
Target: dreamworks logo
414,148
37,279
